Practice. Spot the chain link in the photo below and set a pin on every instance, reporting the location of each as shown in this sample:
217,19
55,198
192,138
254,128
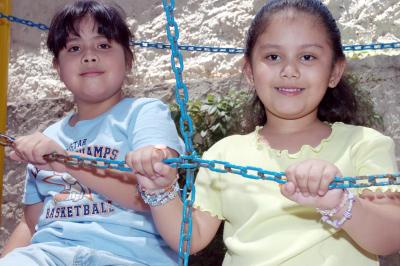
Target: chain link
200,48
6,140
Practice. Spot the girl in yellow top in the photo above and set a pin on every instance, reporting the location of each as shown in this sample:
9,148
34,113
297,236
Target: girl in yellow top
294,60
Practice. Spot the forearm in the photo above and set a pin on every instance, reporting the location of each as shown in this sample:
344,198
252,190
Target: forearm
374,226
118,186
168,220
20,237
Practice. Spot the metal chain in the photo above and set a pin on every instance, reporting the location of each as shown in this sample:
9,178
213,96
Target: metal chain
6,140
207,49
190,162
257,173
25,22
88,162
186,129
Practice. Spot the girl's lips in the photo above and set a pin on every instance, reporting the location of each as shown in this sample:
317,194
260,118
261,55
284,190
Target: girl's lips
287,91
91,73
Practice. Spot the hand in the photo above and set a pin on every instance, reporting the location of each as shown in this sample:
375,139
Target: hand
151,172
32,148
308,183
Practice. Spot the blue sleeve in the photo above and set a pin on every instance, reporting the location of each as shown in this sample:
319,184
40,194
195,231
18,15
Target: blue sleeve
154,125
31,193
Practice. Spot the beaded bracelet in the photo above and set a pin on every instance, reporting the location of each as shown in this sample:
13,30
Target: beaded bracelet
159,197
350,198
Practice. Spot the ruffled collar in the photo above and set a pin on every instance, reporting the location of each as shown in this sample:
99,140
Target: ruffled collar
262,145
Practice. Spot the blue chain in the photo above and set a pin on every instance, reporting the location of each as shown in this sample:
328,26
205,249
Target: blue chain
186,129
193,162
25,22
279,177
207,49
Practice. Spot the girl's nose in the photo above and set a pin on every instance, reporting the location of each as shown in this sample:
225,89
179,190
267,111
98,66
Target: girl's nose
290,70
89,57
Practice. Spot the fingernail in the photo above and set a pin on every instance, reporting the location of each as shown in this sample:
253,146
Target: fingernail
320,192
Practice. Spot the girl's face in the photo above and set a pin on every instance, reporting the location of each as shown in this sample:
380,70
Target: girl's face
291,66
92,67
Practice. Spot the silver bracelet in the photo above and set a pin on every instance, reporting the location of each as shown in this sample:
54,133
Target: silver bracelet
159,197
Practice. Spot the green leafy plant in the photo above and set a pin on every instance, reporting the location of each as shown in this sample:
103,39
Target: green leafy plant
215,117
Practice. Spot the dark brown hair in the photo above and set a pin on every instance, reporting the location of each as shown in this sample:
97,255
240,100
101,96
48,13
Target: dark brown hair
109,19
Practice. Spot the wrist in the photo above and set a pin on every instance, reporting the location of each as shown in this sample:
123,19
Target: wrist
158,197
335,206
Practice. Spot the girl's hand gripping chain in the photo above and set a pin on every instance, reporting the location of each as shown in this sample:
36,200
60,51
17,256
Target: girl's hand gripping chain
308,183
152,174
156,181
32,148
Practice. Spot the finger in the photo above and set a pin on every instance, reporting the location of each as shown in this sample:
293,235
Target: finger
163,149
26,148
160,153
164,170
314,179
288,190
145,182
290,174
301,176
38,152
147,162
367,194
16,157
134,161
327,177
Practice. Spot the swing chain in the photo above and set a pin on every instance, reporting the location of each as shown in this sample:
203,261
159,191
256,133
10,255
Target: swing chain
6,140
87,162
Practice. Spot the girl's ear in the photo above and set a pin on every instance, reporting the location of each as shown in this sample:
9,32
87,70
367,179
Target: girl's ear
337,73
248,72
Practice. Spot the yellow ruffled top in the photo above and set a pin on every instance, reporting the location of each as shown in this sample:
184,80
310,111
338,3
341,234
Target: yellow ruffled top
264,228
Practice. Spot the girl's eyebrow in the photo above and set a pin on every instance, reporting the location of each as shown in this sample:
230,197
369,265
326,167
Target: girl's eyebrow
276,46
72,38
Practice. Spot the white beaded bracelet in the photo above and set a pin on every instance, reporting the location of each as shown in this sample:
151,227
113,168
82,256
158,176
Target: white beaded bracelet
349,199
159,197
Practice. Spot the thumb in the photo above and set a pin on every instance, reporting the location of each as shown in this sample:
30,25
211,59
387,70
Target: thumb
164,170
288,190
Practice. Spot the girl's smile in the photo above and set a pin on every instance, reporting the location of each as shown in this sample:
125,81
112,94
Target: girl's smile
290,91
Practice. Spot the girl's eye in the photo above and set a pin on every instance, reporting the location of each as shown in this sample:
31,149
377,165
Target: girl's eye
73,49
273,57
104,46
308,57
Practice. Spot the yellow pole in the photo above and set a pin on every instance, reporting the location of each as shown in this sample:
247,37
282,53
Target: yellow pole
5,8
